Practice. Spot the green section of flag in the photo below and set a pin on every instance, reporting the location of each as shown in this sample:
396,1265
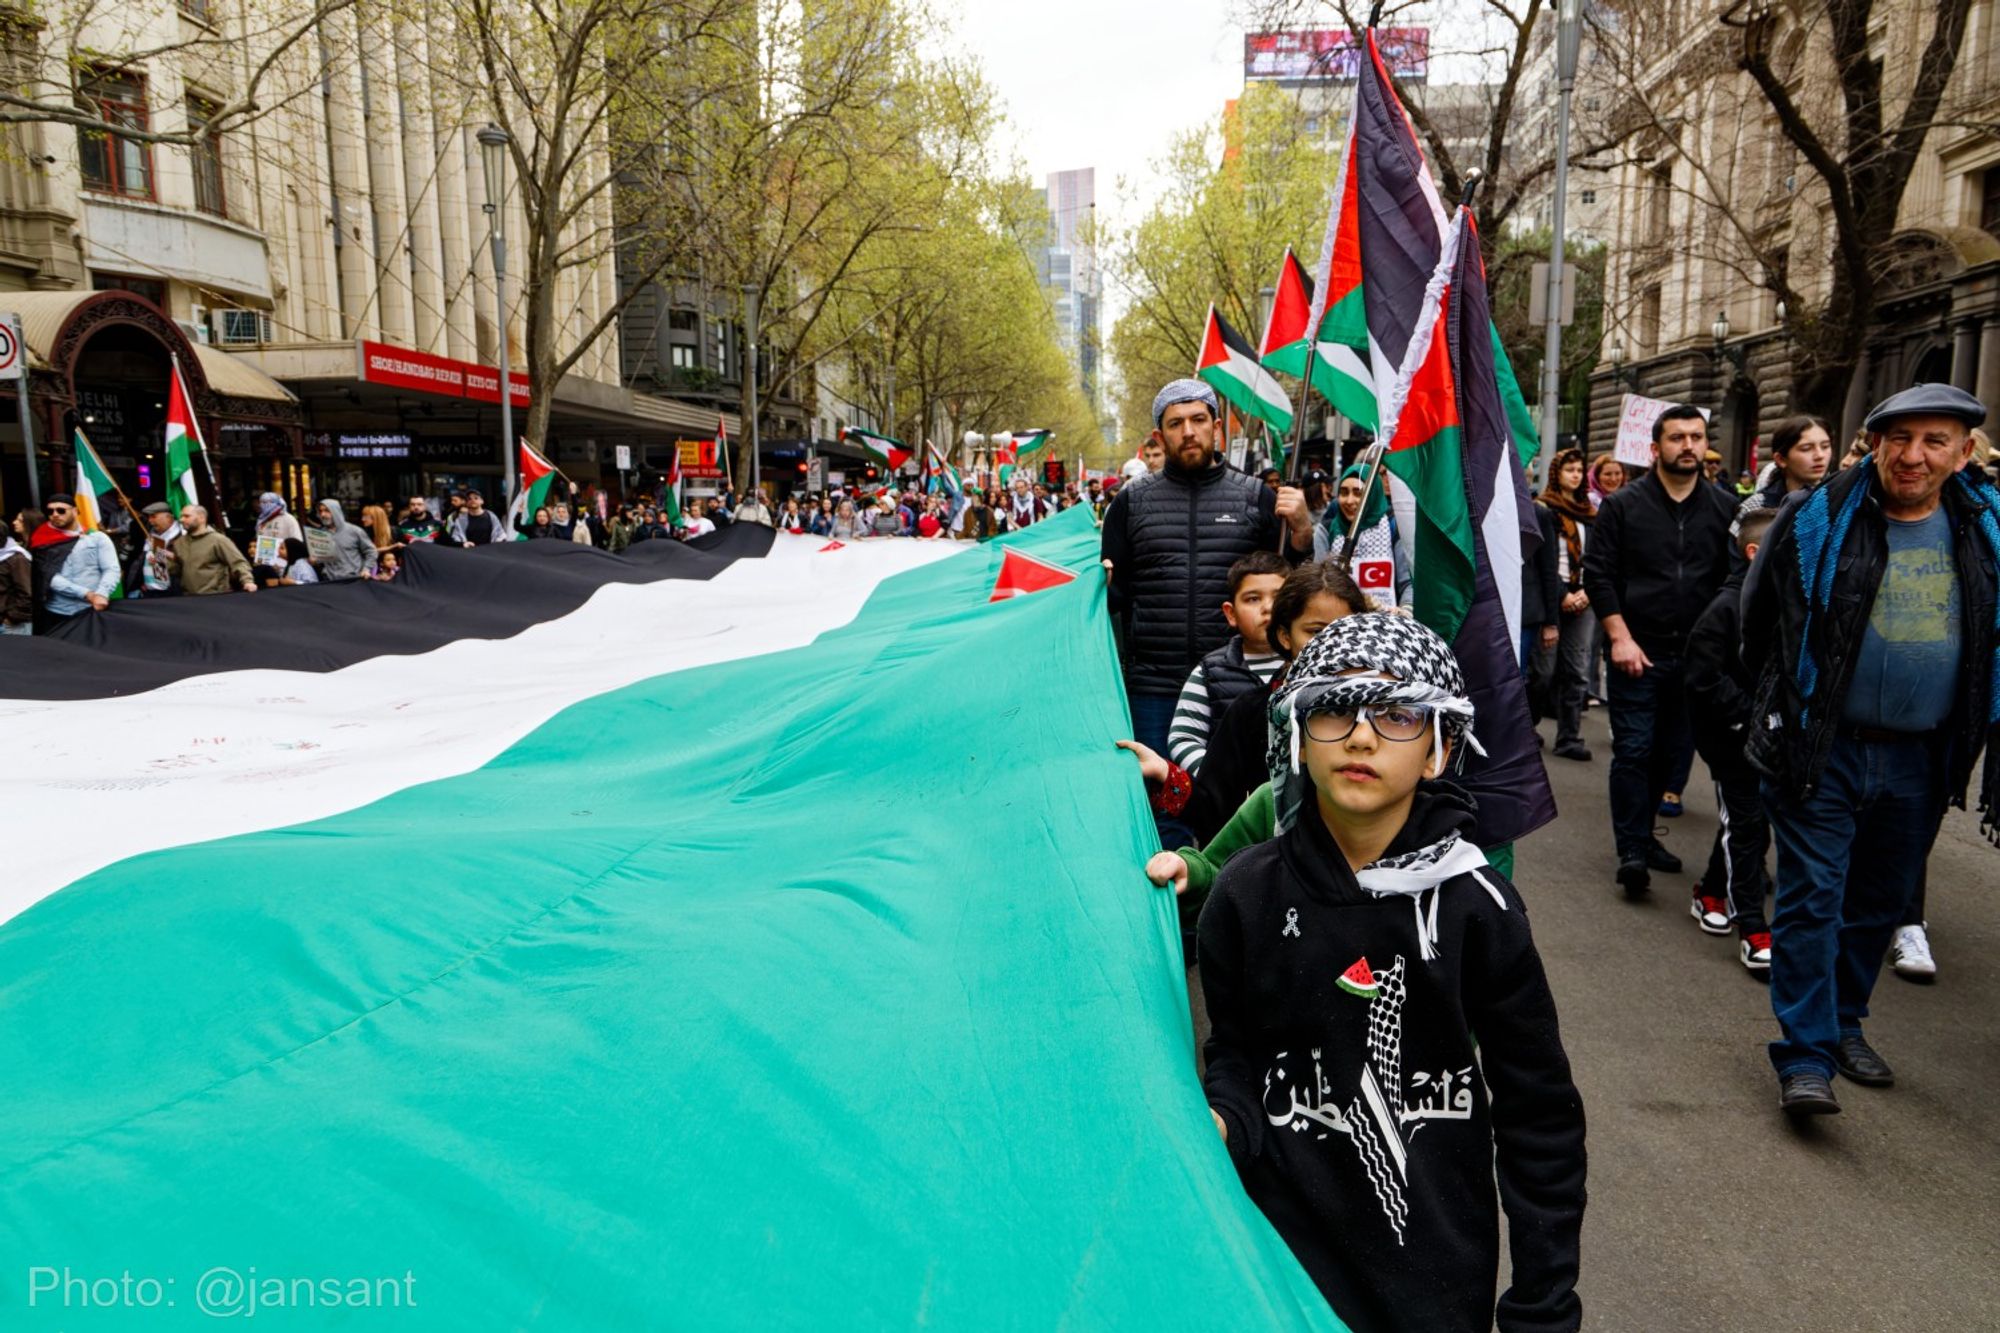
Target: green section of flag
708,1027
1520,422
181,450
1435,471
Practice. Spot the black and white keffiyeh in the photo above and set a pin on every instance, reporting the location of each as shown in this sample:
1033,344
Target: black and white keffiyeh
1393,659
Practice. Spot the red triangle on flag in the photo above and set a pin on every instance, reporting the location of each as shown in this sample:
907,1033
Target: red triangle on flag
831,546
1291,307
1021,574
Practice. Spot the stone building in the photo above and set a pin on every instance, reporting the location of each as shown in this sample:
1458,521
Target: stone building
1710,193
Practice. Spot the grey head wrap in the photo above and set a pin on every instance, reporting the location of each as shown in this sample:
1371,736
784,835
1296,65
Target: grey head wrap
1184,391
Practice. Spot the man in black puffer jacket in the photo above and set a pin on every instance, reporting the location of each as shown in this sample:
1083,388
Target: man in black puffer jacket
1169,544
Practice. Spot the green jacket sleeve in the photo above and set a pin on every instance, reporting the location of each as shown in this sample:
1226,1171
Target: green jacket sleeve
1254,822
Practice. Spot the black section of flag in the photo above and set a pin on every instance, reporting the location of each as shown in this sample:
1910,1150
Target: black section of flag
443,594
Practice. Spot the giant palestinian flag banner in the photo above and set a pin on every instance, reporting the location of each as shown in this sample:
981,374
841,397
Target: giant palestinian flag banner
552,939
1228,364
1448,438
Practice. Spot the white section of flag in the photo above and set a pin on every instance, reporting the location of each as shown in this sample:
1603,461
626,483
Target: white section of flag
237,752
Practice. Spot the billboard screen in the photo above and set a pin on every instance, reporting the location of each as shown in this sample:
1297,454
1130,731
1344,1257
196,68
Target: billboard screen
1305,55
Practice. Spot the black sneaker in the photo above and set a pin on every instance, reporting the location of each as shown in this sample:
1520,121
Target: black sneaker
1659,858
1806,1092
1857,1062
1576,750
1634,878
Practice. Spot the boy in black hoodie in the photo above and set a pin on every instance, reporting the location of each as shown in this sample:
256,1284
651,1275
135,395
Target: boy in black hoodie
1731,892
1384,1042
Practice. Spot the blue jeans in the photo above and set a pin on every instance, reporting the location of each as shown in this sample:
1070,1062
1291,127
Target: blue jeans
1850,857
1649,733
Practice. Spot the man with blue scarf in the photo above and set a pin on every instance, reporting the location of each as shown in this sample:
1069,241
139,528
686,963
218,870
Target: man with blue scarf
1869,624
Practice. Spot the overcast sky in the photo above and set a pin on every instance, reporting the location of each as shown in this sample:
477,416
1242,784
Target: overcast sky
1104,83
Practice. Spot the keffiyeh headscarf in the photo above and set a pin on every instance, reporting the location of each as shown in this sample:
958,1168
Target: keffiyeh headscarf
1395,660
269,505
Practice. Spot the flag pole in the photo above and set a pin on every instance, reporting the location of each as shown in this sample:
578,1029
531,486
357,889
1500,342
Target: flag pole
1373,456
207,463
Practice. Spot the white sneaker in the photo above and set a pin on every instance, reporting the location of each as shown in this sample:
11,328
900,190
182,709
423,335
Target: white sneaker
1910,954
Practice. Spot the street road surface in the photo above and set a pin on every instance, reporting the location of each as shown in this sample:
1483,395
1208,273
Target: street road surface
1707,1210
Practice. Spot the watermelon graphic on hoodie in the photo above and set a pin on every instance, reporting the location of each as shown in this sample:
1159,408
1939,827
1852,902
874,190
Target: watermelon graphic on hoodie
1363,1117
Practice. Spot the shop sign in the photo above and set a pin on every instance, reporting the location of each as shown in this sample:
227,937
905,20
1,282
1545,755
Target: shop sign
406,368
698,459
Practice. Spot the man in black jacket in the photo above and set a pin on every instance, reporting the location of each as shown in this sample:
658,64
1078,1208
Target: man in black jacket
1868,624
1168,546
1658,552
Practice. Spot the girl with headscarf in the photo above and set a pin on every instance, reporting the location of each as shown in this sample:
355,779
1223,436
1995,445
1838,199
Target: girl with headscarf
1378,566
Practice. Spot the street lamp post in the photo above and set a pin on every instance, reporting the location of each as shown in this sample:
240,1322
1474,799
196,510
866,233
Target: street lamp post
750,385
1569,24
889,426
493,143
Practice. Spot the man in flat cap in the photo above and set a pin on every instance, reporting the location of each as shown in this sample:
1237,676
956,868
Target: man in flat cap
154,573
1868,622
1169,544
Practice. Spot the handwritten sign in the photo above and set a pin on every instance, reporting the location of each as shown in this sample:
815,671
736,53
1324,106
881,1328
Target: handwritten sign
319,544
1636,415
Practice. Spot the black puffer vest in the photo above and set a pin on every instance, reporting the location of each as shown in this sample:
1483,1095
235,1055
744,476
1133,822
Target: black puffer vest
1185,531
1227,678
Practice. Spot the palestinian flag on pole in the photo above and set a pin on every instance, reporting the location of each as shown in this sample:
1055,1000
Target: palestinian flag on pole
1449,440
670,490
642,1024
1339,370
940,474
93,482
1228,365
183,443
1028,442
1388,222
1338,315
888,452
537,479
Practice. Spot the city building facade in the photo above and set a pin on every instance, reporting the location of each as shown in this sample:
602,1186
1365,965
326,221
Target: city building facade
320,269
1711,195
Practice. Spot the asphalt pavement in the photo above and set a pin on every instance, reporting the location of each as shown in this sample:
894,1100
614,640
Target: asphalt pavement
1708,1209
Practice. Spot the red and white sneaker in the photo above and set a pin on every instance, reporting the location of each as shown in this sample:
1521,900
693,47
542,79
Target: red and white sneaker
1755,951
1711,914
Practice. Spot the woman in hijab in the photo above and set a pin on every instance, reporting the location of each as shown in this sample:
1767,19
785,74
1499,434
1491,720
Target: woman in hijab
274,520
1567,665
1379,568
1607,474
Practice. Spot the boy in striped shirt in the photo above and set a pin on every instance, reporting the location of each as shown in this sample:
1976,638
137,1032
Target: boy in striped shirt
1244,663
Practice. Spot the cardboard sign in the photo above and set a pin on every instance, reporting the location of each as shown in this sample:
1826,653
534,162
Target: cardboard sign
1636,415
319,544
